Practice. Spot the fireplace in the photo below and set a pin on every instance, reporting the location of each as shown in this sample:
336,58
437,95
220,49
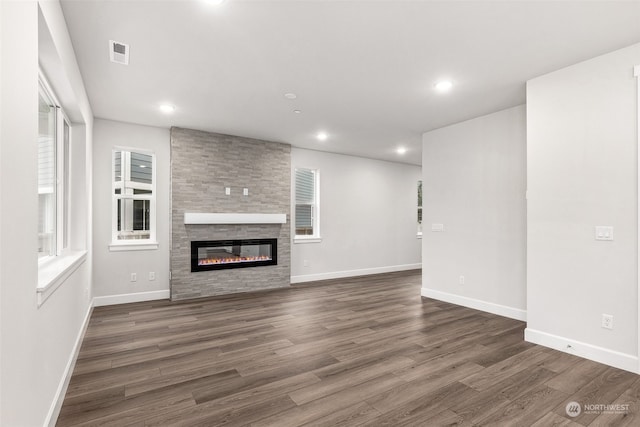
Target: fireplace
224,254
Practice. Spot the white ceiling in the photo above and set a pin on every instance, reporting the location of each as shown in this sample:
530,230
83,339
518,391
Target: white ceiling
363,71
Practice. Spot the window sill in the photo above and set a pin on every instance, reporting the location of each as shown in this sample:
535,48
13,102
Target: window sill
307,240
133,246
54,273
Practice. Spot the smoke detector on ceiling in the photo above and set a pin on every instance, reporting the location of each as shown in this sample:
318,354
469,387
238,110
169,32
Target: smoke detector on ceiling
119,52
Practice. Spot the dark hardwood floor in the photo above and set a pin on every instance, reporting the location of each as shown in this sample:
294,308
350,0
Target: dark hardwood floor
362,351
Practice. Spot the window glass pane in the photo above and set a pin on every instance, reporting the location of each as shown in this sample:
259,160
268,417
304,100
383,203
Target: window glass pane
118,165
141,168
304,220
305,186
133,173
66,134
133,219
46,176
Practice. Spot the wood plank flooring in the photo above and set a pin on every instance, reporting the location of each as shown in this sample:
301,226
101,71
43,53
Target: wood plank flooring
366,351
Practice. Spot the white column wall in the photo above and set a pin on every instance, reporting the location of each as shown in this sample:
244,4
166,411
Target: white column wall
474,179
37,344
582,172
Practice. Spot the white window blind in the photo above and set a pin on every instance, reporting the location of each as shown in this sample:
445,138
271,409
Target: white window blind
306,202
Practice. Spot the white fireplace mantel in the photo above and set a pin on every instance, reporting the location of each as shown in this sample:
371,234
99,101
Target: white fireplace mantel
234,218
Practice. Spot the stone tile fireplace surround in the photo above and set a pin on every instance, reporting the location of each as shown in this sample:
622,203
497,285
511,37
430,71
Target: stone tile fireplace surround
203,165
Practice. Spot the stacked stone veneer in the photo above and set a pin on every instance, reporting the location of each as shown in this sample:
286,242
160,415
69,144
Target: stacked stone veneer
203,164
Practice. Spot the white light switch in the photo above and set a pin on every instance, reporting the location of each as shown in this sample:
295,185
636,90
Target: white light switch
604,232
227,191
245,191
437,227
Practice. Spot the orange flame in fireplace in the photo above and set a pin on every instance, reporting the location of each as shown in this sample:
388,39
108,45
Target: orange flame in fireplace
232,260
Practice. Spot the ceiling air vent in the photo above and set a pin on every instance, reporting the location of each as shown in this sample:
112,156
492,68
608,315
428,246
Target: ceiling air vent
119,52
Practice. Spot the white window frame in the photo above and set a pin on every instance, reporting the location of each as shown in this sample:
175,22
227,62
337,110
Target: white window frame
315,210
53,270
62,170
134,244
419,210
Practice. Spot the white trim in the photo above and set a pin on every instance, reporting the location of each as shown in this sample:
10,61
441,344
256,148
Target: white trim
56,404
234,218
55,272
310,239
127,298
145,245
613,358
353,273
636,73
315,207
489,307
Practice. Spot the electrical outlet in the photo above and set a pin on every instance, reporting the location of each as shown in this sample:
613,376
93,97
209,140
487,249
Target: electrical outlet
305,263
607,321
134,277
152,275
461,280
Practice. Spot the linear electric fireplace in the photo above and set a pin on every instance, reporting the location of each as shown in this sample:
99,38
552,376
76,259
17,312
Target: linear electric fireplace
223,254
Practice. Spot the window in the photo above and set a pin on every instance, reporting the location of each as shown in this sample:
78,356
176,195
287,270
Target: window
133,197
307,206
419,207
53,175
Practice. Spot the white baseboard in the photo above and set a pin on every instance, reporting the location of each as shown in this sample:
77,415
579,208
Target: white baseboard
581,349
127,298
353,273
489,307
56,405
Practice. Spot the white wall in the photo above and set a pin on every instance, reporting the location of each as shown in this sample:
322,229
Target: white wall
112,270
367,217
474,179
582,172
37,344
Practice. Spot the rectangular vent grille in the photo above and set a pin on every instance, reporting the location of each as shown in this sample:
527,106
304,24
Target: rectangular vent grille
119,52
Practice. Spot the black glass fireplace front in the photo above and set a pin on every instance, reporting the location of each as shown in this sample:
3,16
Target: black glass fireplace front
223,254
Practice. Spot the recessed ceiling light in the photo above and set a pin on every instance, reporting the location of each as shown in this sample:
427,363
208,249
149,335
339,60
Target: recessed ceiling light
444,85
297,111
167,108
401,150
290,95
322,136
